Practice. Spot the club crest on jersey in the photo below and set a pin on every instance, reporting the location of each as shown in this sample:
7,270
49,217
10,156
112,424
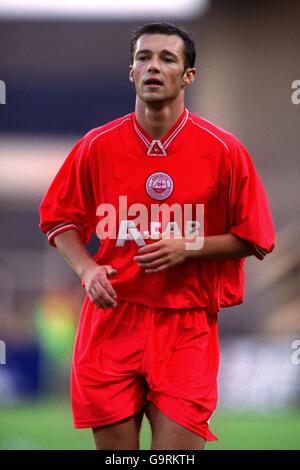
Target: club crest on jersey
159,185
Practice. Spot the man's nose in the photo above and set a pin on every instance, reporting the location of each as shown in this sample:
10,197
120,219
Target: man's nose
153,64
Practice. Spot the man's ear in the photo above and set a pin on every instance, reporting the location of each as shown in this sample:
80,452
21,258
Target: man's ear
131,73
188,77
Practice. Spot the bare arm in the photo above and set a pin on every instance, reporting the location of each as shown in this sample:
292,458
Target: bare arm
95,277
222,247
168,252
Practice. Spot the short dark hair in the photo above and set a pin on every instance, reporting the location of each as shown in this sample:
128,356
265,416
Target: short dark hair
168,29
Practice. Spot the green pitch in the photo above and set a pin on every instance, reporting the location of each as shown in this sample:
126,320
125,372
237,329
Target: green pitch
48,425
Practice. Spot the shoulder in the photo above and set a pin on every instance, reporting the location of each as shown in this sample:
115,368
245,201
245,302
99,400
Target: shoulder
107,130
81,151
216,134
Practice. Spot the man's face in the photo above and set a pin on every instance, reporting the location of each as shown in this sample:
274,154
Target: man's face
158,67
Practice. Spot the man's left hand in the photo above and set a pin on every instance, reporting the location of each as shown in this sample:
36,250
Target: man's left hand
162,254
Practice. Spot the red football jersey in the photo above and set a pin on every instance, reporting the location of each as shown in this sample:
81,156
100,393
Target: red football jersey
196,162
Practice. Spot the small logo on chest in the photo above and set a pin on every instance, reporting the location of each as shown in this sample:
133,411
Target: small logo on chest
159,185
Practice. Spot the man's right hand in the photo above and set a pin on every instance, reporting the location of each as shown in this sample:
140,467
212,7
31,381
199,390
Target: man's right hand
95,277
98,287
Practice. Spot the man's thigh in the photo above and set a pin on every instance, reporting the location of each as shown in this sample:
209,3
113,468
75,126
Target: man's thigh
122,435
181,366
169,435
106,381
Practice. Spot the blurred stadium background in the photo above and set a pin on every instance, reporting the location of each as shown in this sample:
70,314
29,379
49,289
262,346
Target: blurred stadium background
66,73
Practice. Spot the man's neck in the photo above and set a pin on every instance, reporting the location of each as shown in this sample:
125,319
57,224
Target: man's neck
156,120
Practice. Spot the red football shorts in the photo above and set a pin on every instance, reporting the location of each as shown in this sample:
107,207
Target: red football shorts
127,356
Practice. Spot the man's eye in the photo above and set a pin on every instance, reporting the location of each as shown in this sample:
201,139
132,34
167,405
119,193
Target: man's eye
142,58
168,59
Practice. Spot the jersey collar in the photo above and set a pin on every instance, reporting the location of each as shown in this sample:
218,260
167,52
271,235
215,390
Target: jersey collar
158,147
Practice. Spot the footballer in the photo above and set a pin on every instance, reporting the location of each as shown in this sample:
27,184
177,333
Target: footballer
177,205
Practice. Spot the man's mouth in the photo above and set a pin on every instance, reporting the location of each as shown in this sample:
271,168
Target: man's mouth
153,82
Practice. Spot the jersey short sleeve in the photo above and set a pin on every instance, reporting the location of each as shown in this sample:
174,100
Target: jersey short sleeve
249,212
69,202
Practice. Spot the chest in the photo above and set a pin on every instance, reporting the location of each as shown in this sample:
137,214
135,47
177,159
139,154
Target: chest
187,175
